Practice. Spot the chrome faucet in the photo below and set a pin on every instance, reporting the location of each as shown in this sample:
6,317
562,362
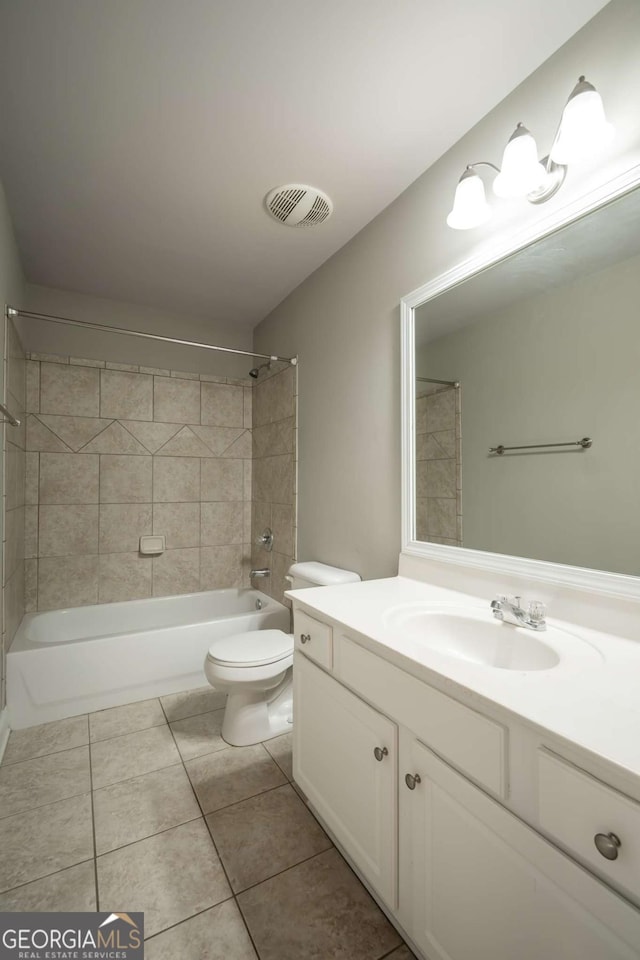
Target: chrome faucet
263,572
510,610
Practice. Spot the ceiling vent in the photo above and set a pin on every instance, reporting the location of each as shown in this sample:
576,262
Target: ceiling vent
298,205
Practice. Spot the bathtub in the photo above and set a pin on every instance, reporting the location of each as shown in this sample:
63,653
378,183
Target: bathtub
67,662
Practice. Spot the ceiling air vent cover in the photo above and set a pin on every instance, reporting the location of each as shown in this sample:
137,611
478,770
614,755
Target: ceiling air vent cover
298,205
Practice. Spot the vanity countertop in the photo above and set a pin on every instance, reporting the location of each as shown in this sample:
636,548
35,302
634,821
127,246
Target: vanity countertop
593,703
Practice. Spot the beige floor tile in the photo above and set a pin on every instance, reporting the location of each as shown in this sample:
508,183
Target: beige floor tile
402,953
216,934
170,877
280,749
132,755
318,910
46,738
265,835
43,841
129,811
73,889
177,706
116,721
232,775
198,735
33,783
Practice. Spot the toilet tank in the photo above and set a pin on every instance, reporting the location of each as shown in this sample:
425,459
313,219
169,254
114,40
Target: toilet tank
315,574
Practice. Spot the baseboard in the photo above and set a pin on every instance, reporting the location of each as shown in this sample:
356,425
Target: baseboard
5,730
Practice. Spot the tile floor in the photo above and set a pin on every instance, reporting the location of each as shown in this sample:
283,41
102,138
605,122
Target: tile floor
145,807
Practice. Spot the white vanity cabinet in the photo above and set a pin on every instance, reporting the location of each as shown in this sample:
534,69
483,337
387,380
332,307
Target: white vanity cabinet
412,784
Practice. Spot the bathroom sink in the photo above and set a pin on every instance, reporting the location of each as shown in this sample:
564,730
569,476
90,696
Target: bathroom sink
474,635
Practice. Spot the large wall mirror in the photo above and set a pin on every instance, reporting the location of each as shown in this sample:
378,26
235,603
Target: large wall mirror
522,405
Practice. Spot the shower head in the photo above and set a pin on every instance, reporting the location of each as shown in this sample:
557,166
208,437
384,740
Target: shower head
255,372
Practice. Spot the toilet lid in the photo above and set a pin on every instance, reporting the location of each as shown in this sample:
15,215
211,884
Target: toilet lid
252,649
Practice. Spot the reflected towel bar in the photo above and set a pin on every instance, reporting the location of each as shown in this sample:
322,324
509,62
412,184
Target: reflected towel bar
585,443
9,416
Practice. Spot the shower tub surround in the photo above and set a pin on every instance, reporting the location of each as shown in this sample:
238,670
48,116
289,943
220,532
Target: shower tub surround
439,465
115,452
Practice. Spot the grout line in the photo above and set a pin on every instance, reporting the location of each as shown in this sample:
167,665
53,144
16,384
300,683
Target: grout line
186,919
46,876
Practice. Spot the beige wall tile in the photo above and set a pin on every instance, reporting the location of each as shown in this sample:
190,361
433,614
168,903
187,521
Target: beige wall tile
273,439
176,479
441,411
282,526
125,479
185,444
124,576
40,438
222,405
242,448
157,371
30,585
126,395
75,432
70,391
222,480
441,519
441,478
176,400
14,541
115,439
222,523
65,531
152,435
15,466
122,525
273,398
280,564
32,477
176,571
30,532
32,397
14,594
86,362
178,522
127,367
248,407
183,375
68,477
67,582
273,479
218,439
222,567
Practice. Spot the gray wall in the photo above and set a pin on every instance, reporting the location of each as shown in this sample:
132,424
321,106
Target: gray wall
343,322
558,366
11,288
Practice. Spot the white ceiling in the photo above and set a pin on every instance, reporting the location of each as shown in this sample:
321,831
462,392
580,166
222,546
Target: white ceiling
139,137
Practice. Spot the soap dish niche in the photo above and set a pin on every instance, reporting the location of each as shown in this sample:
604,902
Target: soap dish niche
152,545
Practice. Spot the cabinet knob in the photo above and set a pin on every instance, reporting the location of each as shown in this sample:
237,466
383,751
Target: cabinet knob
305,638
607,844
380,753
412,780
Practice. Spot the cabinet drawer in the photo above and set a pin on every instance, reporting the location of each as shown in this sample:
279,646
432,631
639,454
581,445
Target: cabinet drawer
574,806
314,639
468,740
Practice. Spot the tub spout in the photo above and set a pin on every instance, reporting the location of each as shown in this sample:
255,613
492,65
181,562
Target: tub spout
263,572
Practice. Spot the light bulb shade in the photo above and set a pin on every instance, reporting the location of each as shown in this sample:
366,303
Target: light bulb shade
470,207
521,173
584,130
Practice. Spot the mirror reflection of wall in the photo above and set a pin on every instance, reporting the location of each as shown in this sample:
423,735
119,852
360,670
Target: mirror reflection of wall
438,462
547,348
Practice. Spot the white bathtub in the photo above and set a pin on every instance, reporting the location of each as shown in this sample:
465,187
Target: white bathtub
68,662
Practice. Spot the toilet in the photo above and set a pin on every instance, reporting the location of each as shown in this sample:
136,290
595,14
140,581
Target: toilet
255,668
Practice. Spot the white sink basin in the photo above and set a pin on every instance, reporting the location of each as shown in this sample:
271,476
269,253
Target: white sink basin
475,635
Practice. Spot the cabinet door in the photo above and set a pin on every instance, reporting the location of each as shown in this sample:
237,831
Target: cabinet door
335,739
483,886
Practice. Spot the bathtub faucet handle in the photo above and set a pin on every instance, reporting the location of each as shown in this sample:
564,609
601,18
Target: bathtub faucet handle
265,539
263,572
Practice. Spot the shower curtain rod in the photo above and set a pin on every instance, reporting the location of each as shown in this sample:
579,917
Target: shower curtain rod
30,314
446,383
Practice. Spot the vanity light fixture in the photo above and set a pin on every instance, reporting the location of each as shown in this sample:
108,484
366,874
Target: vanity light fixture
582,131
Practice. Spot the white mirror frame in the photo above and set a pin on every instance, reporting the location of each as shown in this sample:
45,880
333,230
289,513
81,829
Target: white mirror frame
600,581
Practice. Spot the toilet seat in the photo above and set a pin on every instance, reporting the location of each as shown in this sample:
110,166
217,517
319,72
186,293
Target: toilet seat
253,649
